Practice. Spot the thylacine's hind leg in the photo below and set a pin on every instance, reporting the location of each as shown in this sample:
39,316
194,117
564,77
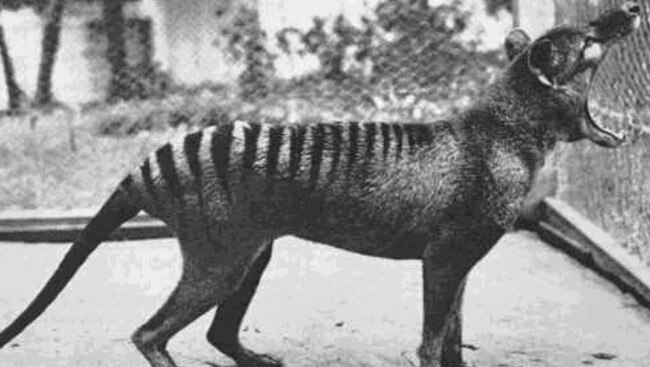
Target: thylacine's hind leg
182,307
209,277
224,331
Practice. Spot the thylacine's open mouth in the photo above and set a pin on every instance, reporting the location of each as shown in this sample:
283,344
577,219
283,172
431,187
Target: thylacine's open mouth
595,131
608,28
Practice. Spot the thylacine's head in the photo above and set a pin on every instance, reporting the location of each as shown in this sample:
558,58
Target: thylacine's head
564,61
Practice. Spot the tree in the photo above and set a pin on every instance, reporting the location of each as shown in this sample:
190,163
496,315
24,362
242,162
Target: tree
15,93
246,42
49,47
114,25
329,47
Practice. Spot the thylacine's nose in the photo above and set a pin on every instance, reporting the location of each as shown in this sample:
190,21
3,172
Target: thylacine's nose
632,7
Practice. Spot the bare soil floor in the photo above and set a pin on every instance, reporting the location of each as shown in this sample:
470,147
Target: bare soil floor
526,305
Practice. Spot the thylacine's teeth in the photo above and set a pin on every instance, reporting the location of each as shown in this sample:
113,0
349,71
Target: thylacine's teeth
621,135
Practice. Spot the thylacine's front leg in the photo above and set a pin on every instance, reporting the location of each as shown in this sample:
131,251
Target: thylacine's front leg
446,264
452,347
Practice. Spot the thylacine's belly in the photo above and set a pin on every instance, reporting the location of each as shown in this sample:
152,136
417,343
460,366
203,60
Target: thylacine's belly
370,242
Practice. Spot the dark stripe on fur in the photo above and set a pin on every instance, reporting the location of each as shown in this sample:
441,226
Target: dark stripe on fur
220,151
399,135
371,135
337,140
317,145
145,170
273,150
411,137
385,134
251,135
272,156
191,146
353,137
425,135
165,157
295,149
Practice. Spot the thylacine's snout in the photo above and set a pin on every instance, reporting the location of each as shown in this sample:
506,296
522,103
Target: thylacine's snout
616,23
609,28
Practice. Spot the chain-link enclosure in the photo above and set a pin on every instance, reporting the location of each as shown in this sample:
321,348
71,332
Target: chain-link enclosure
611,186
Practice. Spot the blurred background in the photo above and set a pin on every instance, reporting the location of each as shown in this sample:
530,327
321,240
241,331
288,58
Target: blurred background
89,87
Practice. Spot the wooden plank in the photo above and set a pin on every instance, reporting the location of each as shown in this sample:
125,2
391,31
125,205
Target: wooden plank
60,226
567,229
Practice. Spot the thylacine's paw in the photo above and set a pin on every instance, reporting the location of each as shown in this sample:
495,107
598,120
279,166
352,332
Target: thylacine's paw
251,359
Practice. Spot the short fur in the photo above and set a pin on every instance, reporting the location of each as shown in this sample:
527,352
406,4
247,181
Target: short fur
443,193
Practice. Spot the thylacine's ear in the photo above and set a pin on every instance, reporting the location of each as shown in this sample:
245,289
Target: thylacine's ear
540,61
516,43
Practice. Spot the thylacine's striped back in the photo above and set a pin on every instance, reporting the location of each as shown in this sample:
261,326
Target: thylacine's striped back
218,159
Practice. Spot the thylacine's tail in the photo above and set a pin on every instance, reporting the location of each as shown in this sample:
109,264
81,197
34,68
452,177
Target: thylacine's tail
119,208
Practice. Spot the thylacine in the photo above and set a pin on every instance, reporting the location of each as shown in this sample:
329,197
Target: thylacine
443,193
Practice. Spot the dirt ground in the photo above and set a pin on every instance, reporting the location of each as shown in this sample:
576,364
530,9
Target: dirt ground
526,305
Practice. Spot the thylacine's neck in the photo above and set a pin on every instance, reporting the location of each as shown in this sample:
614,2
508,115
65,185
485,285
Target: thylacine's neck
501,126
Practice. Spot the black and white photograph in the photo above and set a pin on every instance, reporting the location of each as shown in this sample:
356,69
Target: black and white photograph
325,183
